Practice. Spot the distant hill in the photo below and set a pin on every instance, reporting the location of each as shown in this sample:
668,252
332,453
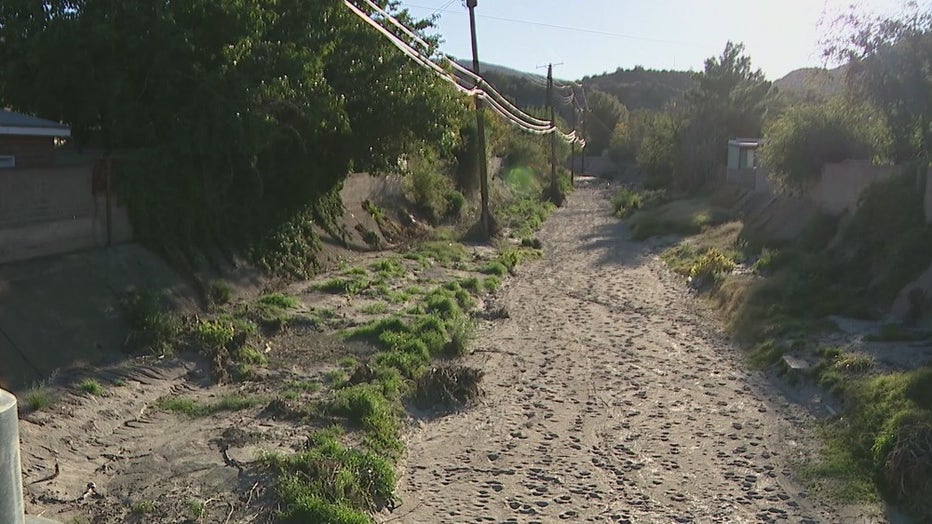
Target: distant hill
636,88
826,82
641,88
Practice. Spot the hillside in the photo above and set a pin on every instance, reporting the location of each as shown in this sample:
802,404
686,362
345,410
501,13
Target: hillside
641,88
826,82
636,88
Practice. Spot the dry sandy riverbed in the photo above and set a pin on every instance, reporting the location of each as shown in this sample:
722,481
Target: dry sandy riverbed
612,396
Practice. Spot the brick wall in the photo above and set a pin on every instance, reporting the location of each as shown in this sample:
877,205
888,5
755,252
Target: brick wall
30,151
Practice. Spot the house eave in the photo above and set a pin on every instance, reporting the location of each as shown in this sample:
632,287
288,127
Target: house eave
35,131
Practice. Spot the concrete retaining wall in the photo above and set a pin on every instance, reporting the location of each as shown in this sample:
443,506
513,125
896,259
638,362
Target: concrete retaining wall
53,211
841,184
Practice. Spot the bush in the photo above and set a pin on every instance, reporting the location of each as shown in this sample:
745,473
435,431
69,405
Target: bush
710,266
805,138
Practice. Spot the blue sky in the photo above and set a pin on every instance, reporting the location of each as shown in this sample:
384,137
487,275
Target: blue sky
595,36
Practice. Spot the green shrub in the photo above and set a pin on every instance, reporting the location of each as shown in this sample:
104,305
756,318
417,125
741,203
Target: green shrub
805,138
711,265
495,268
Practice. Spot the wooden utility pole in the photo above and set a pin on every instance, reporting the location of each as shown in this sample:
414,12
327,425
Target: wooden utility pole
555,191
485,218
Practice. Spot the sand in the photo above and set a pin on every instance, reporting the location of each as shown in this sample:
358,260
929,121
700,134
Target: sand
611,396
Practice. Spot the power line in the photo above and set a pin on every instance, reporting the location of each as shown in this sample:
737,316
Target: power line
498,102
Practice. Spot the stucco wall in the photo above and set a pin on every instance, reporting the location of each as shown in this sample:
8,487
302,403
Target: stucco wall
841,184
52,211
30,151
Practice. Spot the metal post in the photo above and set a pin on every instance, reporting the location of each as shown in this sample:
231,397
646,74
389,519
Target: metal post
485,217
11,479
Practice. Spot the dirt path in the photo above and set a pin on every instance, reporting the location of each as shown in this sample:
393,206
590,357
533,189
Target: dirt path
610,397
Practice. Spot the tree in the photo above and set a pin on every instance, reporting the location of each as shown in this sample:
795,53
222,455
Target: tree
728,101
230,119
605,112
889,60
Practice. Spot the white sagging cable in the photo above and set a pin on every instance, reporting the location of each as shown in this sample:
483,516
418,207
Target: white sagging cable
478,79
488,88
491,90
412,53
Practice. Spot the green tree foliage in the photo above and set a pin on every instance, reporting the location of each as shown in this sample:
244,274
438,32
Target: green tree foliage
889,60
658,152
804,138
233,121
605,112
728,101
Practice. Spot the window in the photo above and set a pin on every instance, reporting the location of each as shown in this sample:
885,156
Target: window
7,161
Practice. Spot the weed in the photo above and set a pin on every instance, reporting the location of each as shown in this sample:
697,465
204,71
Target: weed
37,398
251,355
348,363
533,243
709,267
347,286
304,385
331,483
218,293
471,284
491,283
142,507
443,252
462,332
91,387
278,300
375,308
192,408
450,385
494,268
389,268
119,382
334,377
151,328
196,507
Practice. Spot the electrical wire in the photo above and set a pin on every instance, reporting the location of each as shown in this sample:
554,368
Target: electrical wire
497,102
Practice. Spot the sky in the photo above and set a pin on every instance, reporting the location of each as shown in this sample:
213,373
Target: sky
590,37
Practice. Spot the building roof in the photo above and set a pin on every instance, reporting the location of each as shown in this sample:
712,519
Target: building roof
12,123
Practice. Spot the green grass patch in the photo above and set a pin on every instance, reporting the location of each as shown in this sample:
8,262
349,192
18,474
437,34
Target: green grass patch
192,408
491,283
91,387
679,217
883,442
494,267
332,483
389,268
36,398
347,286
442,252
375,308
628,201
